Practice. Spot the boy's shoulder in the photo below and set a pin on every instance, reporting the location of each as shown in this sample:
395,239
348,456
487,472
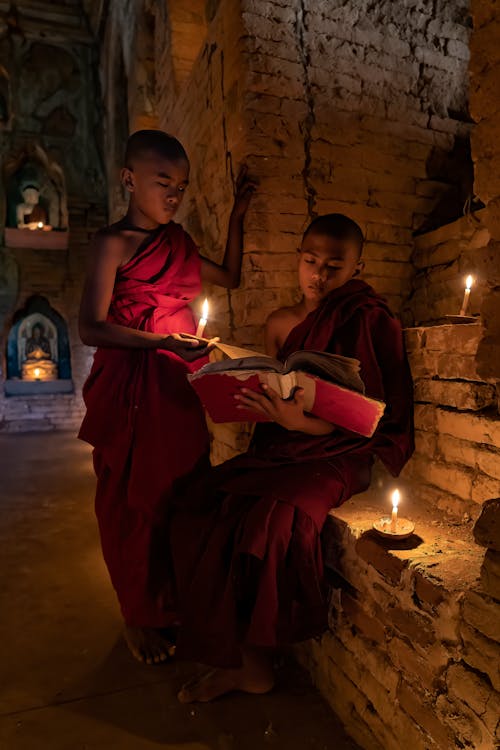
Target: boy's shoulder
282,314
112,241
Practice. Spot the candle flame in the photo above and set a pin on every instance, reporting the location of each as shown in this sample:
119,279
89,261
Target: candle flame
37,372
395,497
40,225
468,282
204,310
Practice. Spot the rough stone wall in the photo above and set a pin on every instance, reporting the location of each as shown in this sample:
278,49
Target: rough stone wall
352,106
412,655
456,465
50,62
443,259
485,109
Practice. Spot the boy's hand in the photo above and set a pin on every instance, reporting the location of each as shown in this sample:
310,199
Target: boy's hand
245,188
289,414
188,347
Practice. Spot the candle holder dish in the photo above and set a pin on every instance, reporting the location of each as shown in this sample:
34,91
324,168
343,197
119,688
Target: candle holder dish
404,528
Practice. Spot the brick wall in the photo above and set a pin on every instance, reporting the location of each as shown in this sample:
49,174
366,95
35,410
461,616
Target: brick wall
457,458
57,275
484,98
56,113
443,259
349,105
412,655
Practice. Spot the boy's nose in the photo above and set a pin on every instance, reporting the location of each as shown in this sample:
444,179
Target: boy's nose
320,274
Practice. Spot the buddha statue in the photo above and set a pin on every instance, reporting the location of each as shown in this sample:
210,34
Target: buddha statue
30,214
38,364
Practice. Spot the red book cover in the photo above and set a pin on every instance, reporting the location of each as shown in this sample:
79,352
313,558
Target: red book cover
334,403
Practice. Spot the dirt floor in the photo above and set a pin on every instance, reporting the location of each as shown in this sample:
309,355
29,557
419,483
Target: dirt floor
67,681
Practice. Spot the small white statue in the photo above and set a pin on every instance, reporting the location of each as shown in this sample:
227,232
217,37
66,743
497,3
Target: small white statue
30,214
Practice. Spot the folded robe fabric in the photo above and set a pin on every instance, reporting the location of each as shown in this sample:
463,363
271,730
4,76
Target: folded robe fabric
145,422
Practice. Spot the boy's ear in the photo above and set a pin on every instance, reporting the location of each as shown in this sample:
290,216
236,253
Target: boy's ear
127,179
360,265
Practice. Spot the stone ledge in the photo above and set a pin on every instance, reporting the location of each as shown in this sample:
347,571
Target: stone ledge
440,552
411,654
25,238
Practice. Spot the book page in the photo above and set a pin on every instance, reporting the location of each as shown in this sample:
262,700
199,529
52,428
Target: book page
332,367
237,352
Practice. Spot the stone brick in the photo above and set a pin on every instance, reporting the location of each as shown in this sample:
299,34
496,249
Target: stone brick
448,477
467,728
461,396
426,443
422,711
483,613
490,575
412,665
413,625
481,653
484,488
425,417
487,527
357,616
373,552
428,594
449,338
478,429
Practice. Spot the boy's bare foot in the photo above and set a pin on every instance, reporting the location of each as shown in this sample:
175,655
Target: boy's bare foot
255,676
148,645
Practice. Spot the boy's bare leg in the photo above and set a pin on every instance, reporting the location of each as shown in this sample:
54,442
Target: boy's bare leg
149,645
255,676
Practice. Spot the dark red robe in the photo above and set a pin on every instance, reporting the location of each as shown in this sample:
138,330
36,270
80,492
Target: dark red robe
145,422
246,544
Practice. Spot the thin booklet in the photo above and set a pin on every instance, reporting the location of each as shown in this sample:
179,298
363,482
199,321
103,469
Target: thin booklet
333,388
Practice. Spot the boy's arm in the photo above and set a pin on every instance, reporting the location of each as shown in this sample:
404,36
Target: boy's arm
106,255
228,273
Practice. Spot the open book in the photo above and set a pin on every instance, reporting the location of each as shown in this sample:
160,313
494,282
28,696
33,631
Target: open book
333,389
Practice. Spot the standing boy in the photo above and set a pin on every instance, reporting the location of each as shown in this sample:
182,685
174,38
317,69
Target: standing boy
143,419
254,577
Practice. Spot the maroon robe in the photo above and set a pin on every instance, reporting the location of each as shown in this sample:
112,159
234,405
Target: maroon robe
145,422
246,544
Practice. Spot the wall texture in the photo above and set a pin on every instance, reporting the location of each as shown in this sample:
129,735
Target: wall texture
485,109
49,57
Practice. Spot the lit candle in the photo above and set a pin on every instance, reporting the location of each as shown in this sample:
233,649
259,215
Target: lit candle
37,373
394,518
203,320
465,303
40,225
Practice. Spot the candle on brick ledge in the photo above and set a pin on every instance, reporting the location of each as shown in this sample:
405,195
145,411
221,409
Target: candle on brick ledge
394,517
203,320
393,526
468,284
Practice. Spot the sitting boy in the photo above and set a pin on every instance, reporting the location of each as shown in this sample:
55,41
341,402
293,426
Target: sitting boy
252,578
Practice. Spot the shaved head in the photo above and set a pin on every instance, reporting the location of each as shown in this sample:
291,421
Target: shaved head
144,142
339,227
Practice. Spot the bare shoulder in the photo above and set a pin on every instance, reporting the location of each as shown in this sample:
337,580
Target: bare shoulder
111,242
278,326
282,317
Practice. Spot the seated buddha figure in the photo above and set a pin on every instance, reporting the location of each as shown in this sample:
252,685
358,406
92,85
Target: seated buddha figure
38,364
30,214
